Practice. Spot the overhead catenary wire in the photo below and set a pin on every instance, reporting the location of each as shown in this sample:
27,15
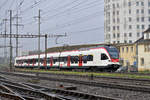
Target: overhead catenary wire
31,22
76,21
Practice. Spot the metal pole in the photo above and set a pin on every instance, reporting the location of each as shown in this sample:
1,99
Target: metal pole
46,50
10,63
39,39
17,34
137,55
5,50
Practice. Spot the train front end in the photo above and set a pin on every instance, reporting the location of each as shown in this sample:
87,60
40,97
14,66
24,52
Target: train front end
114,63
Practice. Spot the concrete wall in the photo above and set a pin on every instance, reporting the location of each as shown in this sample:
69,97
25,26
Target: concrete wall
142,54
128,57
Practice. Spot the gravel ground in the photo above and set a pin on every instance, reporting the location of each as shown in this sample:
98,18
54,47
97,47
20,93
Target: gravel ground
110,92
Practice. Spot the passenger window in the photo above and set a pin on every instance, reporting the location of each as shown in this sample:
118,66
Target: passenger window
84,58
104,56
90,57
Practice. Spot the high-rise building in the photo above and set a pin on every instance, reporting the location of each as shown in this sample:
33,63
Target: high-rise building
125,20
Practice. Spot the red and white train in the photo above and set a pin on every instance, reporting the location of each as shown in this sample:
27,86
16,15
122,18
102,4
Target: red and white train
96,58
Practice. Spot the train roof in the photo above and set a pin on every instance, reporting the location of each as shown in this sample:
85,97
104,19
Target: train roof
81,49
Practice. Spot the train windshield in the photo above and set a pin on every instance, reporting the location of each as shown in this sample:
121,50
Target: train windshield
113,52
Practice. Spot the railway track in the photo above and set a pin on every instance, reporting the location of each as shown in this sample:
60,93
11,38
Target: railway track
25,91
125,80
108,84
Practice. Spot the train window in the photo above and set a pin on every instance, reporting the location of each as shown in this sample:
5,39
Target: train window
76,59
54,61
26,61
17,61
104,56
90,58
72,59
36,60
65,59
84,58
48,60
30,61
42,61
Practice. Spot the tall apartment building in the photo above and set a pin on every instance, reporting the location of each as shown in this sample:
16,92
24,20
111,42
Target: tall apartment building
125,20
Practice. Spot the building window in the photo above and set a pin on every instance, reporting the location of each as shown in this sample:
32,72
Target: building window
138,26
117,27
125,34
149,11
130,34
147,36
142,11
114,20
129,4
142,3
143,27
147,47
113,12
118,35
130,26
118,20
142,61
129,11
113,5
137,19
142,34
130,41
131,49
114,36
149,19
127,49
137,11
125,41
137,3
117,12
122,49
130,19
142,19
117,5
114,27
138,34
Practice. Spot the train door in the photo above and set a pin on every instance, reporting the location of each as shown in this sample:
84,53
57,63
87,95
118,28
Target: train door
51,61
68,61
45,62
28,62
33,62
80,60
104,59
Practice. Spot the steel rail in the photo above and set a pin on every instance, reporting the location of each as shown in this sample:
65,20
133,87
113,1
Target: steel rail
32,93
54,92
90,83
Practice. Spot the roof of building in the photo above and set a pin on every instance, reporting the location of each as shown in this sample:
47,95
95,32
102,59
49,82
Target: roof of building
147,31
142,40
125,44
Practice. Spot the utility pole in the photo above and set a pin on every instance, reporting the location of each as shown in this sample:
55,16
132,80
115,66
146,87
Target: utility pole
39,23
5,49
10,63
46,50
17,30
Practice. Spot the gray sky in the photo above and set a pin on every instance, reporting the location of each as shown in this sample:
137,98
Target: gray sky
82,20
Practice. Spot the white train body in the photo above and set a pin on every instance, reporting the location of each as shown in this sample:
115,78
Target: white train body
106,57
